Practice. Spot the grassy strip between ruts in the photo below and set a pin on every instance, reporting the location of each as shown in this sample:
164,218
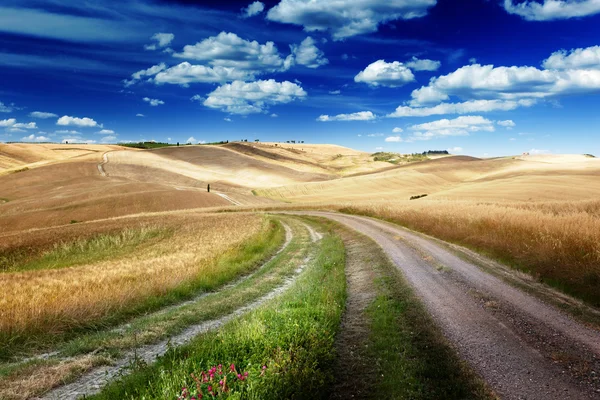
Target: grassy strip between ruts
238,261
413,359
285,347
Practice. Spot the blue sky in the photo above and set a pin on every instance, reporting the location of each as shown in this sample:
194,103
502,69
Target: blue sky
478,77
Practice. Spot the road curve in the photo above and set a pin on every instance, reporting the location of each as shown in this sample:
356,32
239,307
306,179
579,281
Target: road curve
522,347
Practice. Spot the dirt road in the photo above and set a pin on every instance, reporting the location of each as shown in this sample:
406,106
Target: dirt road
523,348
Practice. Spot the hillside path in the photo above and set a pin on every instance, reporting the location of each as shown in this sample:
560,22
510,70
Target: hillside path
522,347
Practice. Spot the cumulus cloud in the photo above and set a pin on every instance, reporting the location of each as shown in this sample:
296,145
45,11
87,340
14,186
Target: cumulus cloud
7,122
229,50
423,65
358,116
466,107
308,54
346,18
550,10
139,75
161,40
460,126
381,73
397,130
253,9
42,115
140,115
186,73
507,83
507,123
394,139
74,121
153,102
30,125
106,132
588,58
253,97
33,138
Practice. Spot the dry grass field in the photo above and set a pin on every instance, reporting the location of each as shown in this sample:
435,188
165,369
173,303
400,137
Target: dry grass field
26,155
460,178
160,254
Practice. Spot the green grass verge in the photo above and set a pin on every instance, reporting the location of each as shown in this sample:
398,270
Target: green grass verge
292,336
83,251
414,360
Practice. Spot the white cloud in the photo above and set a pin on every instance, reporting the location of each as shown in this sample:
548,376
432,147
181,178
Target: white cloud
539,151
139,75
274,115
106,132
42,115
375,134
397,130
394,139
472,60
186,73
588,58
335,92
308,54
33,138
140,115
509,123
254,97
506,83
466,107
162,40
227,119
460,126
345,18
153,102
552,9
4,108
193,140
378,148
455,149
229,50
109,139
67,132
253,9
423,65
74,121
358,116
393,74
7,122
30,125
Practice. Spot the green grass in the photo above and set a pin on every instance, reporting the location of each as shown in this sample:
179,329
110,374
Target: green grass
397,158
292,336
82,251
413,359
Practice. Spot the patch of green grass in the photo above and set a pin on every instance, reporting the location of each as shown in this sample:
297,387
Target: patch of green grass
83,251
292,336
397,158
413,359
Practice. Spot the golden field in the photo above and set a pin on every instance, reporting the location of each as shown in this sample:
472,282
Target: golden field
53,301
538,212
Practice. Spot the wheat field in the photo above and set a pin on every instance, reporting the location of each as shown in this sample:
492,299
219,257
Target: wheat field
51,301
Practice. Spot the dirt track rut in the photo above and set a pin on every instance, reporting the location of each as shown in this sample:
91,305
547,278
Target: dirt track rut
512,339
